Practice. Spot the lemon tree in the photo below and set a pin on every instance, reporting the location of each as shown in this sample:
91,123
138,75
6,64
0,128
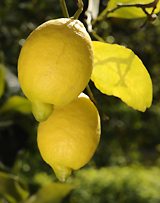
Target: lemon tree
55,65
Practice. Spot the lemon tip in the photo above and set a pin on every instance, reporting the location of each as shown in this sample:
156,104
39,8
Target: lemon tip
62,173
41,111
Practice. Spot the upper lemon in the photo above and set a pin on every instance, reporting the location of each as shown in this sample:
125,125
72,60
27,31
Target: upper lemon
56,62
69,137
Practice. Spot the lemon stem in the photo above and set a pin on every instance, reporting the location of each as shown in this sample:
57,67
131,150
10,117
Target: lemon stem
64,8
80,9
90,94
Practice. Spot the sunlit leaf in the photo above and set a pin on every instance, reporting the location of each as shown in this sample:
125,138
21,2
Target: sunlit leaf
16,103
119,72
52,193
2,79
11,189
128,12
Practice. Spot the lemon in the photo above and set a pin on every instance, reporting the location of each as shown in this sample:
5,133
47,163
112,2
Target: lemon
69,137
55,65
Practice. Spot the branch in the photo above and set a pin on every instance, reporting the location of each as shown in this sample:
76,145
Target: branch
96,36
80,9
142,6
150,16
64,8
90,94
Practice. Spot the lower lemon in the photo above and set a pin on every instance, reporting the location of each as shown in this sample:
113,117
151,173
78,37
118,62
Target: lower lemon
69,137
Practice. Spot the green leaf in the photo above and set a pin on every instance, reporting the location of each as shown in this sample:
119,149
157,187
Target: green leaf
52,193
16,103
42,179
11,188
128,12
119,72
2,79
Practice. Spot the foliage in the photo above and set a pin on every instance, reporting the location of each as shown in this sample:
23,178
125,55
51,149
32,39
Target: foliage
16,103
11,189
114,184
54,192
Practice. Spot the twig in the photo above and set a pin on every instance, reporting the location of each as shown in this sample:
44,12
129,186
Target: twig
96,36
139,5
102,113
90,94
80,9
150,16
64,8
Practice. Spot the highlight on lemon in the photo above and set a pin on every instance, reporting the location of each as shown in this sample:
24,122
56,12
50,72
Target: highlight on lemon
55,65
68,139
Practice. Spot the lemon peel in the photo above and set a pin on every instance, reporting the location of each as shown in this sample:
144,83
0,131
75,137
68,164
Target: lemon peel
55,64
69,137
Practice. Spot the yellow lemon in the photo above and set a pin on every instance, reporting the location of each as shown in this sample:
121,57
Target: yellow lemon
55,64
69,137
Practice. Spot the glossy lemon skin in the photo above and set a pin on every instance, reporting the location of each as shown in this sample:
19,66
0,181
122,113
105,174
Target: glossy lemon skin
56,61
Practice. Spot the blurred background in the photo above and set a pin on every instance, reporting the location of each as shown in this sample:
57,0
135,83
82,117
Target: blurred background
125,167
